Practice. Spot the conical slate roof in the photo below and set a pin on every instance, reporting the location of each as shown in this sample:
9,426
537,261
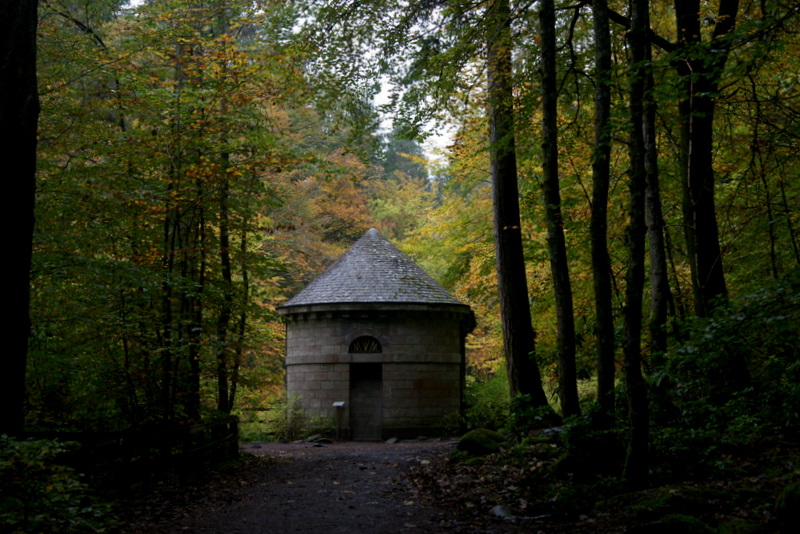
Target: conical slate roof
373,271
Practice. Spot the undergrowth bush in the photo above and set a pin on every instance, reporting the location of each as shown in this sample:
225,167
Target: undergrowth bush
284,420
254,426
590,446
487,402
39,495
735,381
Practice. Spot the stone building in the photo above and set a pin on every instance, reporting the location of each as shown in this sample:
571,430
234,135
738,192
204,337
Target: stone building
379,337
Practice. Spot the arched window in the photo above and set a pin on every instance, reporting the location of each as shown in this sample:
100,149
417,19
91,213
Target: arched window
365,344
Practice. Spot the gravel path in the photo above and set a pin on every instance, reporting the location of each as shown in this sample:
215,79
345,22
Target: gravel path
347,487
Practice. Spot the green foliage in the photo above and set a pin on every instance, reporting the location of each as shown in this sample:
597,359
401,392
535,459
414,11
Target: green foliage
717,414
761,330
253,426
525,417
39,495
480,442
286,420
401,203
487,402
591,447
166,148
787,507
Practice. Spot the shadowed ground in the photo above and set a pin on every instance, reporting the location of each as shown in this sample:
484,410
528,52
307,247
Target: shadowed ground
349,487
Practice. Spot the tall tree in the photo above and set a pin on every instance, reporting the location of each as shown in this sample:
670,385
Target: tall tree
601,179
635,472
700,64
518,334
224,353
659,277
19,112
140,219
559,266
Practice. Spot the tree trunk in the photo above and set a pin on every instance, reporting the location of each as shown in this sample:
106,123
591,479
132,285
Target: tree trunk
226,311
223,322
556,244
659,276
787,213
635,472
167,335
242,326
758,168
598,227
518,335
19,115
195,323
701,71
679,301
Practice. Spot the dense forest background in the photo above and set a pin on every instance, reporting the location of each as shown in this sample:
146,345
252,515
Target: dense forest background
190,178
628,169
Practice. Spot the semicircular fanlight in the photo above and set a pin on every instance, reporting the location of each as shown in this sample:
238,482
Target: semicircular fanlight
365,344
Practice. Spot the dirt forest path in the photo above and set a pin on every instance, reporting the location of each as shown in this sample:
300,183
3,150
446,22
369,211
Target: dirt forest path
346,487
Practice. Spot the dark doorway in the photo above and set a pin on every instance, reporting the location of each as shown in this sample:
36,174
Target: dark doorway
366,401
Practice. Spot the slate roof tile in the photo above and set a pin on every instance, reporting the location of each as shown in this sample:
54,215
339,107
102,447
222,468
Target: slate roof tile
373,271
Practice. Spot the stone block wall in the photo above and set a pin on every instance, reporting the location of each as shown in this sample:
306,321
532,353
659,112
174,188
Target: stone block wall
420,398
317,386
421,356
